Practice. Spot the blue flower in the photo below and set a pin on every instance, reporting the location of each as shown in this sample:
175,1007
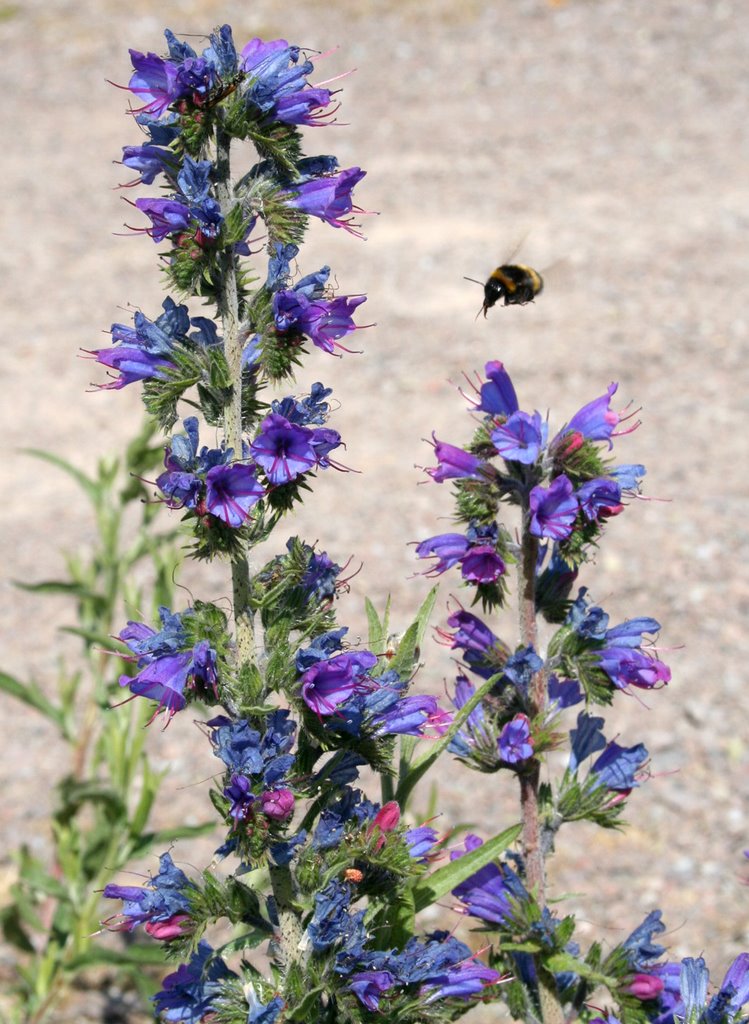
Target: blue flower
163,906
553,509
521,438
188,994
498,396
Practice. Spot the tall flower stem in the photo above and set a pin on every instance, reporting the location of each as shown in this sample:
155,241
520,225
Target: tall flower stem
246,637
228,308
533,852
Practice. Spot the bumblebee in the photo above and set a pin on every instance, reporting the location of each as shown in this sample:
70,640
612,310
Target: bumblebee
513,282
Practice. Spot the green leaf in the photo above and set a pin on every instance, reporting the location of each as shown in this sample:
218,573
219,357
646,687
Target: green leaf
133,956
309,1007
414,772
168,835
31,694
407,654
249,940
89,486
377,630
72,589
13,930
428,890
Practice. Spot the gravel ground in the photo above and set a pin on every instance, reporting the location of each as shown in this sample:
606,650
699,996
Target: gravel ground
612,138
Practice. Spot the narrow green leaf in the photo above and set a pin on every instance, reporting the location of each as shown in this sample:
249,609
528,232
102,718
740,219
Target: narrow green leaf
13,930
377,636
31,694
439,883
168,835
414,772
86,483
249,940
133,956
70,589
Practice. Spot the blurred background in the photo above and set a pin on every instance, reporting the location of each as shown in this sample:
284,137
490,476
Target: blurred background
610,141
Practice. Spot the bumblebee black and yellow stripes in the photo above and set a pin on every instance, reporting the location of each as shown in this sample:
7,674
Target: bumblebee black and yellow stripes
514,283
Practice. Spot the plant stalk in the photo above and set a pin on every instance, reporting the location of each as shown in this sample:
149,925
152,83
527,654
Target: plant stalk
246,640
228,309
533,854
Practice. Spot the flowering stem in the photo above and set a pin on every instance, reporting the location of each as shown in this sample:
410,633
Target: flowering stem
228,308
290,926
533,852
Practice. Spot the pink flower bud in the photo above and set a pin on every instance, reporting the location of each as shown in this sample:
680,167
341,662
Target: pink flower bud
644,986
277,804
176,925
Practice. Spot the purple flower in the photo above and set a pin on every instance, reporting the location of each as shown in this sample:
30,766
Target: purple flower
132,363
586,740
599,498
329,683
168,217
483,652
283,449
553,509
734,992
420,841
163,907
476,552
149,161
231,491
515,741
454,463
240,796
168,665
565,693
498,396
145,350
486,894
331,921
617,767
462,981
188,993
693,980
628,476
328,197
474,733
323,321
278,85
155,81
407,717
521,437
304,107
640,948
482,564
595,421
245,751
632,667
368,986
447,548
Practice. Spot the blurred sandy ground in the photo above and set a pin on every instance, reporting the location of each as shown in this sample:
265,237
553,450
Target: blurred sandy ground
612,137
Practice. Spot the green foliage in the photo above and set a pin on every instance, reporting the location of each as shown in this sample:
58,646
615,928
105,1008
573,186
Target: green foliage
102,803
432,888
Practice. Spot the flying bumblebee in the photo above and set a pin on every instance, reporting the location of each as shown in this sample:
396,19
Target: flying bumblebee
513,282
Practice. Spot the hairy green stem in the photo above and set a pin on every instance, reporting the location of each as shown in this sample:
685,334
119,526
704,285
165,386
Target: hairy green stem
290,926
247,640
533,852
228,309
